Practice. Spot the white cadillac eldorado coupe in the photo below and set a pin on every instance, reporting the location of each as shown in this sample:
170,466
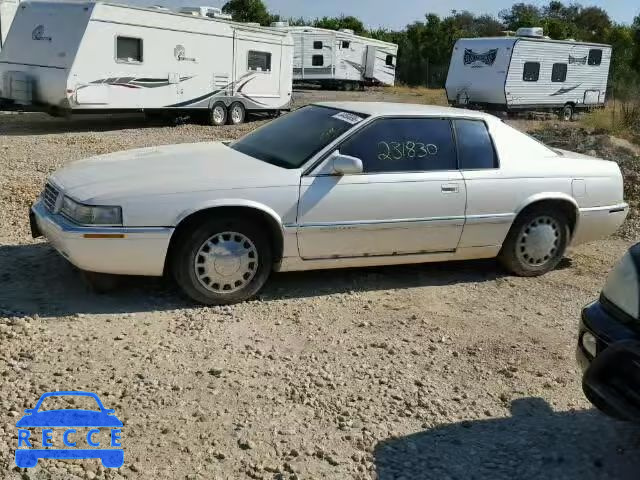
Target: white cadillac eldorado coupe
330,185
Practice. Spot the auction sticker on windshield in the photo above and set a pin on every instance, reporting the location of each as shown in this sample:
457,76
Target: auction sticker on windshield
348,117
48,431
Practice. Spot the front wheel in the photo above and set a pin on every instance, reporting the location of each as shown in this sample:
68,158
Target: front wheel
536,243
218,115
223,261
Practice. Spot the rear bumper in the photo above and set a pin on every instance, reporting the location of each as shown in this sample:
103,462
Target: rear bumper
121,251
598,222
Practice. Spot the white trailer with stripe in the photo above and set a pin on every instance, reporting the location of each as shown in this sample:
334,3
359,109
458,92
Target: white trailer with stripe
528,72
340,59
65,57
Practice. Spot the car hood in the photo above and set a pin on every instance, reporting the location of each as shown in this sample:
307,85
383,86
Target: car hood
167,170
69,418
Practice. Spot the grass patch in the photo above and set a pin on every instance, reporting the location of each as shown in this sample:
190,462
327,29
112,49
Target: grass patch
430,96
621,119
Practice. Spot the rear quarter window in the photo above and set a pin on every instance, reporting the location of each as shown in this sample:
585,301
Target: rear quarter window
475,147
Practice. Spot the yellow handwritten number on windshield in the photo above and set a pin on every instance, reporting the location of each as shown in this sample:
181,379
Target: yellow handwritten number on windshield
402,150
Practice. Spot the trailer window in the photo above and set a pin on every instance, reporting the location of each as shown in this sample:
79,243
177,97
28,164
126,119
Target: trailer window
129,49
595,56
390,61
259,61
559,72
346,45
317,45
317,60
531,72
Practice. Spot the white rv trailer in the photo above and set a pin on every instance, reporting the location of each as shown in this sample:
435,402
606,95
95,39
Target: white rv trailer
340,58
528,72
66,57
7,12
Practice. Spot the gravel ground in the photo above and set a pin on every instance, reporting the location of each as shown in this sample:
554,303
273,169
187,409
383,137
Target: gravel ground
442,371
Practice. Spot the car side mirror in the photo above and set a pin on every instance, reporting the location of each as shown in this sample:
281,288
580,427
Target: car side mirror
612,382
345,164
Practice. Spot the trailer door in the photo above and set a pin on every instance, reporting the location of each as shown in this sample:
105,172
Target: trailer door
257,69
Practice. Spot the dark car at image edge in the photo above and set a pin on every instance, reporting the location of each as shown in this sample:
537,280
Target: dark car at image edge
608,349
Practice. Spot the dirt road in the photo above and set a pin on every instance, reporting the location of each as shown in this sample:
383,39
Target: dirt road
428,371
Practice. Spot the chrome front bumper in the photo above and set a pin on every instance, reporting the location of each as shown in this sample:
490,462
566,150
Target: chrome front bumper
121,251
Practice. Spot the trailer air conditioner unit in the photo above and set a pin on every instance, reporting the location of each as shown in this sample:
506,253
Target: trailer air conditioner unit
535,32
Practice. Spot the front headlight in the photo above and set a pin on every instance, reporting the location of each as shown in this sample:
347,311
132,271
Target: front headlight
621,288
91,214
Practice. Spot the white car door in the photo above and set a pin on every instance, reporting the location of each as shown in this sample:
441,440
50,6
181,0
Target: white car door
410,197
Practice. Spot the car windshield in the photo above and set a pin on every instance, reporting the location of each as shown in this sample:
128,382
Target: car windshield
290,141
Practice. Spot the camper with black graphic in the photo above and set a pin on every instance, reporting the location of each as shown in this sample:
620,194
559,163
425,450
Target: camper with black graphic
71,57
528,72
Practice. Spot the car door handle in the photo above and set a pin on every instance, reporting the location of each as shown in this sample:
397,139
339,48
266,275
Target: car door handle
450,188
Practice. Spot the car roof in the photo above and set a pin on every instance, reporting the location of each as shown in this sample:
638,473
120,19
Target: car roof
388,108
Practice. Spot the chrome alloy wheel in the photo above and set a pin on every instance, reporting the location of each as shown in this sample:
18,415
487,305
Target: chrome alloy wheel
538,241
226,262
237,114
219,114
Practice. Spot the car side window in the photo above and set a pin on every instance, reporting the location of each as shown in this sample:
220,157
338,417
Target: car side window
404,145
475,148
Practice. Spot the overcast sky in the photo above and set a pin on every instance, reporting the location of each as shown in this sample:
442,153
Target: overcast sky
398,13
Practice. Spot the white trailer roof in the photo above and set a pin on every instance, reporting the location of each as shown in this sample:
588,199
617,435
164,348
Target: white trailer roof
238,25
533,39
303,29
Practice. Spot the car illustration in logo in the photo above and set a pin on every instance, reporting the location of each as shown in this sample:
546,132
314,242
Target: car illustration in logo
69,419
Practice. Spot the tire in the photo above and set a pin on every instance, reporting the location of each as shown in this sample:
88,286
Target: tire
218,115
566,114
237,113
245,273
536,243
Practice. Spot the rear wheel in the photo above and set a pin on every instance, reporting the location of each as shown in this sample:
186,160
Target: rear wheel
218,115
237,113
536,243
566,114
223,261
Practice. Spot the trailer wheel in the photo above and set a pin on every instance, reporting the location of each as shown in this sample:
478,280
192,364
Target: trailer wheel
218,115
237,113
566,114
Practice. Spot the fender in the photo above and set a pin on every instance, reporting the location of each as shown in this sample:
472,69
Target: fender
231,202
548,196
551,196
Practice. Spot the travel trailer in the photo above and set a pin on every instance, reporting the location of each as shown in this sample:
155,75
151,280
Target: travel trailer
64,57
528,72
340,59
7,12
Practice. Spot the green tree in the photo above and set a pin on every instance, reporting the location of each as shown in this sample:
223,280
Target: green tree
338,23
248,11
521,15
593,24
